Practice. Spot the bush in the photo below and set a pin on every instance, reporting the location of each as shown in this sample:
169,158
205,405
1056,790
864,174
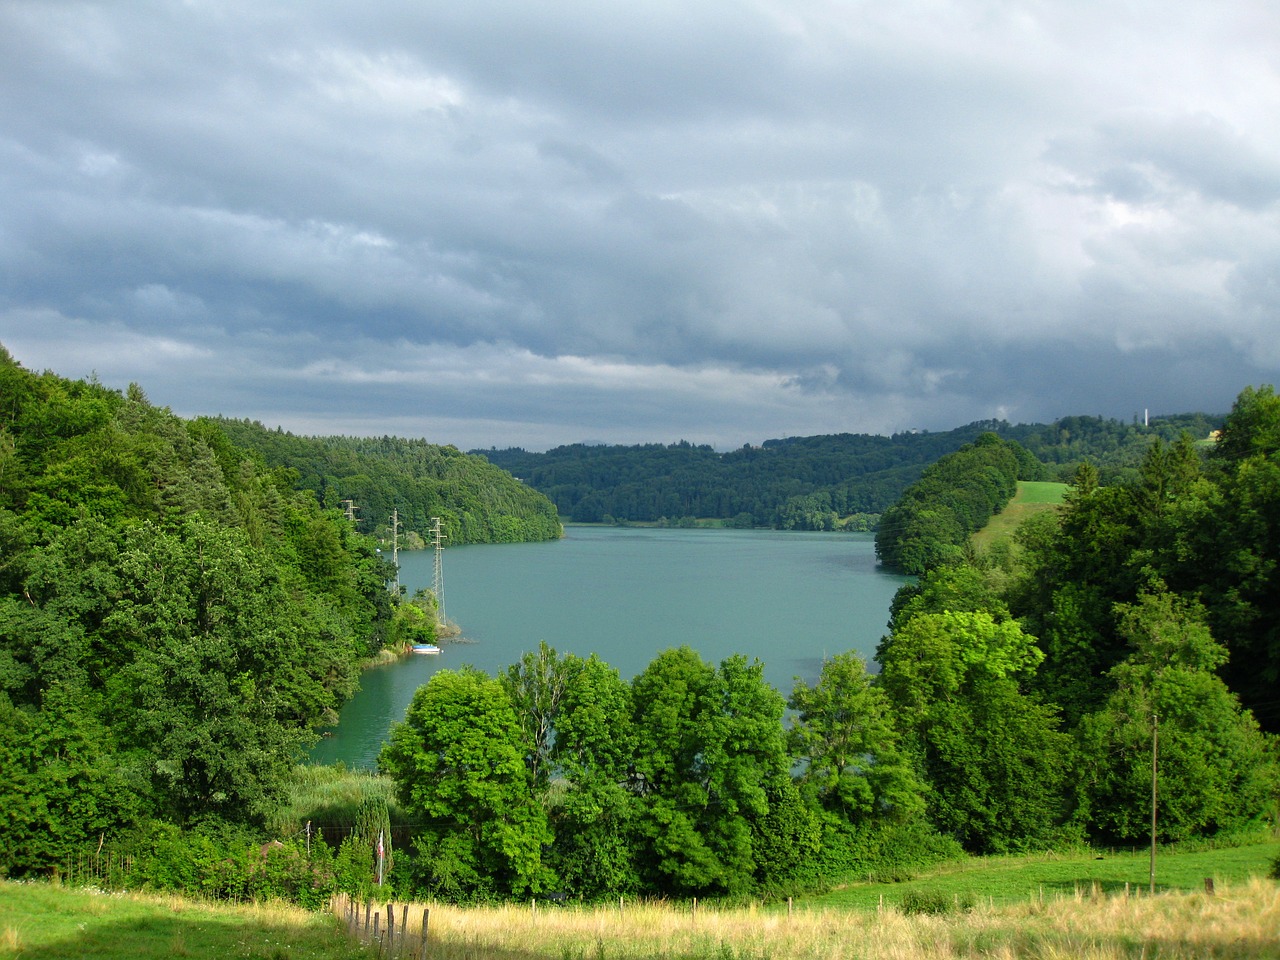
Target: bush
935,902
217,860
893,852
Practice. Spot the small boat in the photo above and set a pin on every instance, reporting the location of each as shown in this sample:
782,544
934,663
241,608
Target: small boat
425,648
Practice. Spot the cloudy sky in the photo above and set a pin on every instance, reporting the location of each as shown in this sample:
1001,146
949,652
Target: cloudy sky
540,222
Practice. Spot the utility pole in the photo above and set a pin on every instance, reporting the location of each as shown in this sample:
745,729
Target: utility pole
437,577
1155,746
395,545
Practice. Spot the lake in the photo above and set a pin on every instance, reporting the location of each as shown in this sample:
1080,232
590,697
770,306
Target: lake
627,593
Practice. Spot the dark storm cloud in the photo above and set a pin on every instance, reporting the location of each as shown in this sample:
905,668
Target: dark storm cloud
505,223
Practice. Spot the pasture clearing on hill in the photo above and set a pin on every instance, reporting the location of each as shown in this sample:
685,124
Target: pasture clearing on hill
1032,498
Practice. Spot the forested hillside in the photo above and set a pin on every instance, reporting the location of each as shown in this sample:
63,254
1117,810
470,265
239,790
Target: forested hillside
1032,689
808,483
178,613
953,499
175,617
476,501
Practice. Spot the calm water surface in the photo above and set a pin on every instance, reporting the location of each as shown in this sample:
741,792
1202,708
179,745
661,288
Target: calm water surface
626,594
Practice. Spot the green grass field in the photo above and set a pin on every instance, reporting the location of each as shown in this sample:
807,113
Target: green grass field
1005,880
1045,907
1040,492
1031,499
40,921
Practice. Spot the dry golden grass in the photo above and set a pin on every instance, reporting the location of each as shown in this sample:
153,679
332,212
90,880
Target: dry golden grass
1240,923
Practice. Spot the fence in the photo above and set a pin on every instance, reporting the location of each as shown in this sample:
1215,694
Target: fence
378,927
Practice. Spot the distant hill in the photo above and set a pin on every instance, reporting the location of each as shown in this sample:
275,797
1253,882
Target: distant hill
807,482
476,500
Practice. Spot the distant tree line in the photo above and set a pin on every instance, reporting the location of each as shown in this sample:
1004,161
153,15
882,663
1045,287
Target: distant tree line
809,483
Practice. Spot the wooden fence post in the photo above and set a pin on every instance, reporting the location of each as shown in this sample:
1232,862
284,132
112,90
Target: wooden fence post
426,918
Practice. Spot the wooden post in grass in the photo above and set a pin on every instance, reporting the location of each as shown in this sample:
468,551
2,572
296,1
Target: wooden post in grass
367,907
1155,749
391,927
426,918
1208,885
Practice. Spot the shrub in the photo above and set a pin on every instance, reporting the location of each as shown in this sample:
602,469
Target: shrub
935,902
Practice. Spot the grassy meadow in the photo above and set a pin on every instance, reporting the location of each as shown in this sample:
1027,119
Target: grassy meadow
1032,498
40,921
1043,907
1241,922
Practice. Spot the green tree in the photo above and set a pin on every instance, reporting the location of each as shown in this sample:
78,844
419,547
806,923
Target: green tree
459,765
591,808
1252,428
60,784
844,737
218,687
536,686
992,757
708,748
1215,771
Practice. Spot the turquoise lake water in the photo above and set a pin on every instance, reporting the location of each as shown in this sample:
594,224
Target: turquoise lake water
625,594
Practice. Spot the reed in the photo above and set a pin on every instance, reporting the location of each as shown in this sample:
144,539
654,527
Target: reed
330,797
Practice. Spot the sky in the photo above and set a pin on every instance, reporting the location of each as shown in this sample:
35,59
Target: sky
532,223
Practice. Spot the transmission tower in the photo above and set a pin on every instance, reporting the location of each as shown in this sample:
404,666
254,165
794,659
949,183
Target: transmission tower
395,545
437,578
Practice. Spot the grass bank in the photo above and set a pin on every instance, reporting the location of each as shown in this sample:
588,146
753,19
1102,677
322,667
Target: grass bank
331,797
1016,908
40,921
1016,879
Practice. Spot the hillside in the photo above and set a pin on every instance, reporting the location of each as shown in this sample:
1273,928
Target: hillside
476,501
179,611
809,482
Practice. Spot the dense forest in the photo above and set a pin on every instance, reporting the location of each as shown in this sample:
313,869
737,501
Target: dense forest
476,501
840,481
177,613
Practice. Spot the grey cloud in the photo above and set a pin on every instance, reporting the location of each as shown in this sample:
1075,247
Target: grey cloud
582,220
